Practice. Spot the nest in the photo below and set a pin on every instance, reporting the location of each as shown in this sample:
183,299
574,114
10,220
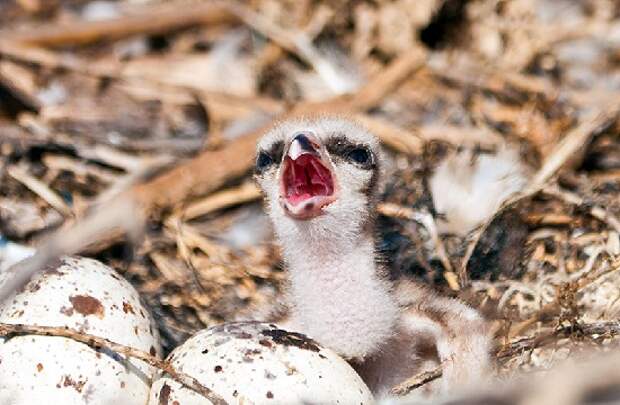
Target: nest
161,103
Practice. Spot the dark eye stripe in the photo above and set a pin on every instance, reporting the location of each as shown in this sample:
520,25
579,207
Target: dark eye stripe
268,158
276,151
341,147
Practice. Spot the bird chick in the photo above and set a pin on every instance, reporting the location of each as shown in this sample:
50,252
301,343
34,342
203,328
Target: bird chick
321,179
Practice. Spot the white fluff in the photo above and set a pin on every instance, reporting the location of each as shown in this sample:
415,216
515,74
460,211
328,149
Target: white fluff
468,189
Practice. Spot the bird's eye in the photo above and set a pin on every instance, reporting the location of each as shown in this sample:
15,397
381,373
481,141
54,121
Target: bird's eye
263,161
360,155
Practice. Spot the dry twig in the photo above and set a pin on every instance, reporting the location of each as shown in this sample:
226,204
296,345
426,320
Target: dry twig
247,192
41,189
609,329
150,20
416,381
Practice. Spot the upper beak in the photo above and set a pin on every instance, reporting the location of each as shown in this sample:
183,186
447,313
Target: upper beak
301,144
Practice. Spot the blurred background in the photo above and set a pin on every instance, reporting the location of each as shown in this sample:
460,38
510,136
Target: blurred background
477,100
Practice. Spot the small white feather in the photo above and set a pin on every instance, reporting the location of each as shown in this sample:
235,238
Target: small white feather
467,189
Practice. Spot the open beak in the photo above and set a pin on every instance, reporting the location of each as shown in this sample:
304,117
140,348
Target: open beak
307,183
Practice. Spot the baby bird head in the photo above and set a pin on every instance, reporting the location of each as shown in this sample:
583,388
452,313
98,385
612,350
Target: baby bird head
322,174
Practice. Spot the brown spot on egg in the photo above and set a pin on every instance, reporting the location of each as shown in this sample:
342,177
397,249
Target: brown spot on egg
87,305
34,287
218,369
269,395
127,308
39,367
77,385
68,311
164,394
265,342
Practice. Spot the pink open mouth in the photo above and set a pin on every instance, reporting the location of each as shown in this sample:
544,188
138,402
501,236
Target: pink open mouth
307,186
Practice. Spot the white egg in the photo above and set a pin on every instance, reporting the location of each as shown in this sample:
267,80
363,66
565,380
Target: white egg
90,297
256,363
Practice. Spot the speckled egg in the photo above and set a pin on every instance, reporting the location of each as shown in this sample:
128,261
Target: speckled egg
259,363
90,297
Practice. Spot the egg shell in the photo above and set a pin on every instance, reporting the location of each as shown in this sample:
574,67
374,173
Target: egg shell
259,363
90,297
